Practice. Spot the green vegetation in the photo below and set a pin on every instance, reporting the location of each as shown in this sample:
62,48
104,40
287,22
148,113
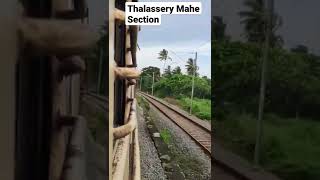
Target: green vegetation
191,166
173,83
191,67
291,143
291,147
291,127
179,85
165,135
200,107
255,19
146,77
164,56
292,87
143,103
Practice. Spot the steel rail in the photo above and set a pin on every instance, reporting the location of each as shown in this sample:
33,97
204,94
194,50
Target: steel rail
201,135
226,169
208,129
229,173
100,101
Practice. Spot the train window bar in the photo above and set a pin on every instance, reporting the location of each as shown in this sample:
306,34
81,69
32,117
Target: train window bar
33,105
120,84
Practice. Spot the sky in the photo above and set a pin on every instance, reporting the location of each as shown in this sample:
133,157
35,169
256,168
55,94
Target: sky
300,21
181,35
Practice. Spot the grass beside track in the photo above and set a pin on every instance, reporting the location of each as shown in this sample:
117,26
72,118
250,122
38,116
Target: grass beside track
200,107
290,149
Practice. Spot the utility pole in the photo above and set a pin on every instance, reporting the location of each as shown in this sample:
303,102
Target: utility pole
140,83
100,71
152,82
269,14
194,74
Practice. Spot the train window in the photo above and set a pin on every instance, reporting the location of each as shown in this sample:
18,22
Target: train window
33,107
54,118
120,86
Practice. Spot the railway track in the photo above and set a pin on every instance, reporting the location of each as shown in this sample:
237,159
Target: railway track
229,169
197,131
227,166
98,100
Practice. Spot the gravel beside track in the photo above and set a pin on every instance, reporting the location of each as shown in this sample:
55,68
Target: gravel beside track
151,168
183,141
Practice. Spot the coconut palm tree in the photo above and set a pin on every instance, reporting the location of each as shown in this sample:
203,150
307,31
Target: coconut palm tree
176,70
167,71
254,20
218,28
163,56
190,67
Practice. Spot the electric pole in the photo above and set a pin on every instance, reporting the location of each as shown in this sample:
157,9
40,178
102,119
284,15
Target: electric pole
194,74
269,14
152,82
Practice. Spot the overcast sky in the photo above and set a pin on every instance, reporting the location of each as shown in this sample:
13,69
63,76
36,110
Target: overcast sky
301,20
181,35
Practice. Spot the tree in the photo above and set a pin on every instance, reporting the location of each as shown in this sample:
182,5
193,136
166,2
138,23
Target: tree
167,71
293,80
179,85
148,71
163,56
146,76
177,70
255,21
207,79
300,49
218,28
190,67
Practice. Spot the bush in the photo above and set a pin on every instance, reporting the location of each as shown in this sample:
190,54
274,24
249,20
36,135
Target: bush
290,147
200,107
179,85
293,82
165,135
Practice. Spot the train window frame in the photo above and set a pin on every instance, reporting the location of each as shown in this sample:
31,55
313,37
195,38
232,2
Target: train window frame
120,50
33,106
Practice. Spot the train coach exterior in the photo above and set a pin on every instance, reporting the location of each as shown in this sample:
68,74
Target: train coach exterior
41,93
123,132
53,36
